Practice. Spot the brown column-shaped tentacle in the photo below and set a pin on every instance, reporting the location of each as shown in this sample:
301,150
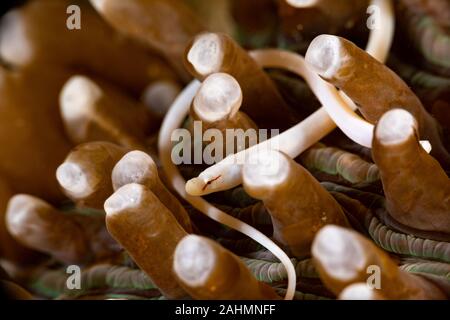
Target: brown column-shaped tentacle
30,94
216,105
417,189
139,167
297,203
344,257
165,25
94,110
37,225
208,271
10,248
38,34
210,53
85,175
371,85
138,220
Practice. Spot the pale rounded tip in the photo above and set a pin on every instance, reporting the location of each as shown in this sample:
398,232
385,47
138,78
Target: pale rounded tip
359,291
21,201
324,55
134,167
195,187
15,45
127,198
74,179
99,4
395,127
194,260
22,207
339,253
78,96
206,54
219,97
302,3
159,96
265,169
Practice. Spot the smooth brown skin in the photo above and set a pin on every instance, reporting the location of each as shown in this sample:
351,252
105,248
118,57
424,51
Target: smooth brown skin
329,16
261,100
96,48
299,208
32,142
98,160
416,188
149,232
228,279
376,89
10,249
32,221
125,173
165,25
114,116
360,253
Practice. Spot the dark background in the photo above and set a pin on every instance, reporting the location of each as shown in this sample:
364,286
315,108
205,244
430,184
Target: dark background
8,4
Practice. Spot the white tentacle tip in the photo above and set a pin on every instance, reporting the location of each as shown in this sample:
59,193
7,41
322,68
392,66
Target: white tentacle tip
267,168
77,96
194,259
339,252
73,179
128,197
219,98
324,55
397,126
359,291
206,54
302,3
